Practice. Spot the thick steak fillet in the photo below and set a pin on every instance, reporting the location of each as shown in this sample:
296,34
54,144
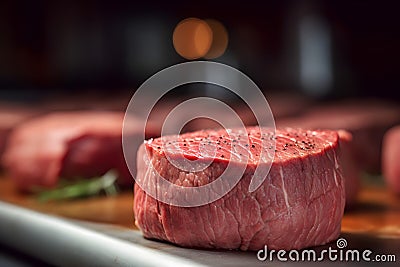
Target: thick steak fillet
299,204
69,145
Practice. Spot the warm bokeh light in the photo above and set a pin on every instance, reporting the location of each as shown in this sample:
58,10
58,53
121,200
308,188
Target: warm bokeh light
192,38
220,39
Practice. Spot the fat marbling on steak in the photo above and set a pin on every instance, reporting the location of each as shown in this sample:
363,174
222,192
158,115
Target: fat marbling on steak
299,204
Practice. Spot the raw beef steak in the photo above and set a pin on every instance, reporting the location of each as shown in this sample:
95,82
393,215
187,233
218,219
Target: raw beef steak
299,204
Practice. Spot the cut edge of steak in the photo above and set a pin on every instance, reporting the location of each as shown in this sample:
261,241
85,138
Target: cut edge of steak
299,205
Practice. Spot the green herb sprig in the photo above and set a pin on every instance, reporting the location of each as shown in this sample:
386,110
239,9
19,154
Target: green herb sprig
81,188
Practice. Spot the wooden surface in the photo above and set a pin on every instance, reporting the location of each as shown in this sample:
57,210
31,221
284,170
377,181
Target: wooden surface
377,215
113,210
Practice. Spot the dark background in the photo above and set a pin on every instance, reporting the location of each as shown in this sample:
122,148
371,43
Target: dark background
107,46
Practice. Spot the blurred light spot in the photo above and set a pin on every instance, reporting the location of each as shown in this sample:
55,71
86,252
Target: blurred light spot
219,39
192,38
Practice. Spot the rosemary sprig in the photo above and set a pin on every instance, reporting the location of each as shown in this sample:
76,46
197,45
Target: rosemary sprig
81,188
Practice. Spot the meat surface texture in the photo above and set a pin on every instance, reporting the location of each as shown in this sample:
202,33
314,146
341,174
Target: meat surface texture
391,159
351,166
67,145
299,204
